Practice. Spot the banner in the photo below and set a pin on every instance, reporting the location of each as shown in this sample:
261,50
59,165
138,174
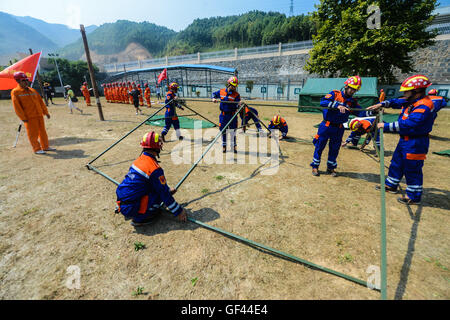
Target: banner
162,76
28,66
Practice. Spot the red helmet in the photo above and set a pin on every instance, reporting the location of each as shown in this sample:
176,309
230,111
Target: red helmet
173,85
276,120
354,82
20,76
138,85
84,83
415,82
151,140
233,81
432,92
354,124
146,85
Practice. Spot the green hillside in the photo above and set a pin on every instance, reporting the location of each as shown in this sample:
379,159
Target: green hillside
112,38
255,28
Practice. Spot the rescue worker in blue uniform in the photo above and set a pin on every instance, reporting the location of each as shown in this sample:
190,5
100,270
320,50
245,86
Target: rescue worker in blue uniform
278,123
171,117
144,188
228,110
250,114
359,127
331,128
414,124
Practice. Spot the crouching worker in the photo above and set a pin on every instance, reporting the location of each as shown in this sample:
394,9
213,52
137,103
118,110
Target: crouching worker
144,188
278,123
360,127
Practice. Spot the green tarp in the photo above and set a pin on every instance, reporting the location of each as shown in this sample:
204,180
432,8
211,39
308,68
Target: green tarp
443,153
316,88
185,122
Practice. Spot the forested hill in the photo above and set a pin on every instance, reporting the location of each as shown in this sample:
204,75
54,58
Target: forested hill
112,38
254,28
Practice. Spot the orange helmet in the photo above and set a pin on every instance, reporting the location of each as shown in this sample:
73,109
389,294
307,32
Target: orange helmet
233,81
276,120
432,92
151,140
415,82
354,82
173,85
353,124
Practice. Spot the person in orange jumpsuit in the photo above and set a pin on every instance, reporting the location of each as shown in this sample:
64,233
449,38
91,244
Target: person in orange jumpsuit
129,88
106,92
141,96
120,92
147,95
125,93
86,94
30,108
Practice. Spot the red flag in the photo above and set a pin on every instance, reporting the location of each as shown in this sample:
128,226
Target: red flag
162,76
28,66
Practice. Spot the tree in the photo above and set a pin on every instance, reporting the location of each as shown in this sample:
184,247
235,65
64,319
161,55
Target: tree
344,45
72,73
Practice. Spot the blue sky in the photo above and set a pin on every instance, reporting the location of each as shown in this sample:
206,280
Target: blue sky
174,14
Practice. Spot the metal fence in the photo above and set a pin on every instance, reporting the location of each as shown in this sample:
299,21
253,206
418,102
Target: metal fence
205,56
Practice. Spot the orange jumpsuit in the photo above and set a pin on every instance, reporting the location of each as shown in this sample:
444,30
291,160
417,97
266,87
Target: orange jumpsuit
141,99
86,94
125,94
147,97
30,108
130,98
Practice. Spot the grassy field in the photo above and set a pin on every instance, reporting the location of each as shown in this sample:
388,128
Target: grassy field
54,213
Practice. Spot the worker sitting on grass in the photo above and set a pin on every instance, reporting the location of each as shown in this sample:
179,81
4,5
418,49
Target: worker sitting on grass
144,188
280,124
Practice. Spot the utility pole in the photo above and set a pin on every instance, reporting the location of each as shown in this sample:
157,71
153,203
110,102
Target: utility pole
292,8
91,72
40,82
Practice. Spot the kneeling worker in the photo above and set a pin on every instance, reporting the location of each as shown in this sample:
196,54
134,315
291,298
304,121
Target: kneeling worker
279,123
144,188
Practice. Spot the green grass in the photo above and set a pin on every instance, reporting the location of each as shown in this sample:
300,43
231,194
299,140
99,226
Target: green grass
204,190
139,246
139,291
219,177
346,258
194,281
30,211
437,263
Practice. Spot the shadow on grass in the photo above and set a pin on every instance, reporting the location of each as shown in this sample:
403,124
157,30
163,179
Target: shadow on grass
404,273
67,154
166,222
64,141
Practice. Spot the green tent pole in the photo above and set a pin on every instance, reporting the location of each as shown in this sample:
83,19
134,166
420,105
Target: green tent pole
207,149
383,216
110,147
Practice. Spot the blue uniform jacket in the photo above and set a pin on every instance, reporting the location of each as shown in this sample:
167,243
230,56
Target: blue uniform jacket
171,107
225,95
416,118
333,100
145,186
